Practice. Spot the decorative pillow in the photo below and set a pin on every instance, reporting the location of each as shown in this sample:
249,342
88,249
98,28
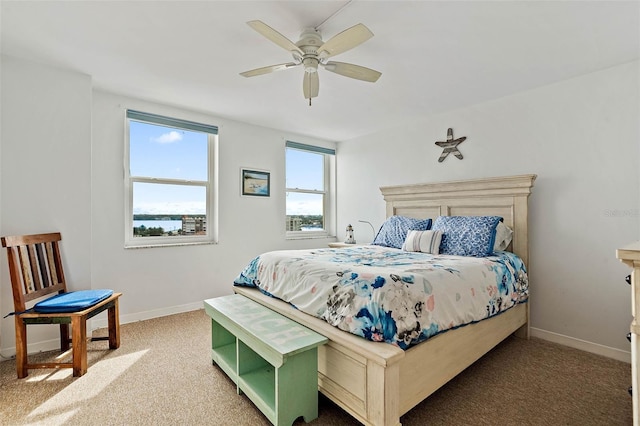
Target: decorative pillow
394,230
423,241
467,235
504,234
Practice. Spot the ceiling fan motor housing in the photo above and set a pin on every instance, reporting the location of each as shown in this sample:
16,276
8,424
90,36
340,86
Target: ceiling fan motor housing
310,41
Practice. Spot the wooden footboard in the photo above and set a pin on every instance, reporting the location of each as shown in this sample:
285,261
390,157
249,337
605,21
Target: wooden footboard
364,388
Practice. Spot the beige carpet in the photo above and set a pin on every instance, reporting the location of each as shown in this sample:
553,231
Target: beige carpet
162,375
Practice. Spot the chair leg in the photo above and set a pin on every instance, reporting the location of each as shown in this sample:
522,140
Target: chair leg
21,348
79,344
64,337
113,314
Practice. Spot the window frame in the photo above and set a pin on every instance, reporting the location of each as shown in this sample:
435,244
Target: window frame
328,193
210,185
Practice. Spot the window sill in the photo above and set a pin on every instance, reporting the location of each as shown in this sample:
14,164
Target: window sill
309,237
176,244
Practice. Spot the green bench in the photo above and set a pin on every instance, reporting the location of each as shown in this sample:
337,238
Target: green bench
270,358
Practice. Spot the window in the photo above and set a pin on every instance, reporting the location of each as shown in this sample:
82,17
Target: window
310,183
169,182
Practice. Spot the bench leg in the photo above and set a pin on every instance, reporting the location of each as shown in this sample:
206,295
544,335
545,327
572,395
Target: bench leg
79,343
297,388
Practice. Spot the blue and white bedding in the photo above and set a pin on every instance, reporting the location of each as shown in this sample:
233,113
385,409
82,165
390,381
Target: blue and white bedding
390,295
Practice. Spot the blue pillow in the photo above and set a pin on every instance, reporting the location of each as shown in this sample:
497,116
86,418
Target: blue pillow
467,235
394,230
72,301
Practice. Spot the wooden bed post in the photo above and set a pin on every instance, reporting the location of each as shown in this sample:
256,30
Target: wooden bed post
383,394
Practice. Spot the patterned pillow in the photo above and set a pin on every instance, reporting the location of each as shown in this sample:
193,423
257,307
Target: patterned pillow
467,235
423,241
394,230
504,234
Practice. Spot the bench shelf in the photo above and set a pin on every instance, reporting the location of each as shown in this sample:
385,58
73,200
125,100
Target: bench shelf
270,358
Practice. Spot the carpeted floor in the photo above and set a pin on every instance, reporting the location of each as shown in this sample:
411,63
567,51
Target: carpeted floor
162,375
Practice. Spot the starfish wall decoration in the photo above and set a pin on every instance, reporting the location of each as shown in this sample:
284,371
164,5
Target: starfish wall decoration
450,146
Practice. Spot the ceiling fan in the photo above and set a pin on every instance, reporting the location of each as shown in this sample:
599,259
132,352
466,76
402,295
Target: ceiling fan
310,52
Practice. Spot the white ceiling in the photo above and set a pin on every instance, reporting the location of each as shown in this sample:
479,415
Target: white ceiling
434,56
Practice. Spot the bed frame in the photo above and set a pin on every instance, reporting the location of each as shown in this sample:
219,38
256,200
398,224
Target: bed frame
377,382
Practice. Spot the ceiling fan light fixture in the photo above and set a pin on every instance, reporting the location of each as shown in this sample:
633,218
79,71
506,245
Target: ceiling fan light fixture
310,64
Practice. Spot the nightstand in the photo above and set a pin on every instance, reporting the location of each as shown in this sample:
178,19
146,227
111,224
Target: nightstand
343,245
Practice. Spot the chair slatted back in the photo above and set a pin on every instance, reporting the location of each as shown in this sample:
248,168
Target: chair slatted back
35,267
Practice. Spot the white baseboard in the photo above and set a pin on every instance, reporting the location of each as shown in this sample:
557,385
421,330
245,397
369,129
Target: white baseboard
33,348
141,316
583,345
93,324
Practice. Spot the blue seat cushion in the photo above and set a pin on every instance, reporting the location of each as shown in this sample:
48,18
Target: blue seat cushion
72,301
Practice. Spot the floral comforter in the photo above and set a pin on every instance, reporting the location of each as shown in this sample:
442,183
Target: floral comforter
390,295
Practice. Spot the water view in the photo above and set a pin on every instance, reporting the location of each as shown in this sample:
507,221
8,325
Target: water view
167,225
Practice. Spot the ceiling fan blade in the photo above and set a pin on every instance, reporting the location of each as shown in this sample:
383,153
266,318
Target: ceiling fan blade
267,70
274,36
310,85
347,39
353,71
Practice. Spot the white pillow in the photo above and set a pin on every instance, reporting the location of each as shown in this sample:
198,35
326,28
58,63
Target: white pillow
504,234
423,241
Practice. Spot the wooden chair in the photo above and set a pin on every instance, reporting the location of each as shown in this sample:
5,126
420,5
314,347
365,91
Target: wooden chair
35,268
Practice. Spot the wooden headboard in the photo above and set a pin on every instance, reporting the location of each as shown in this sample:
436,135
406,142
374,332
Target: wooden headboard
499,196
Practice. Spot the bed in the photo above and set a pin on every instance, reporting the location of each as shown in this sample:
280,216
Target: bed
378,382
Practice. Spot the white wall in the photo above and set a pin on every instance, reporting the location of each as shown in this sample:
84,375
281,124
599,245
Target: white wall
156,281
62,169
45,170
581,138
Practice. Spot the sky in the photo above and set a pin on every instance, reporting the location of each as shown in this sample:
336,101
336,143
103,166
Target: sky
158,151
165,152
304,170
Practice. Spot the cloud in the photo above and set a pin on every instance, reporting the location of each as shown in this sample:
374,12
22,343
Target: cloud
170,137
307,207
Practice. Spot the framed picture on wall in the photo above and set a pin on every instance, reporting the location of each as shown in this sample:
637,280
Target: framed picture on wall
255,183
